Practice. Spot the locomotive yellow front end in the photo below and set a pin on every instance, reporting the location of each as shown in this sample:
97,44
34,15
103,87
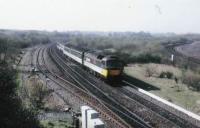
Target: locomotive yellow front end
111,72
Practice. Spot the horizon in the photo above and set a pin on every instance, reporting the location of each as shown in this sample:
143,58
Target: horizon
85,31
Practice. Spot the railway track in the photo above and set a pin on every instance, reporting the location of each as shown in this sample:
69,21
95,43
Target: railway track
176,116
84,96
172,49
164,113
152,118
91,88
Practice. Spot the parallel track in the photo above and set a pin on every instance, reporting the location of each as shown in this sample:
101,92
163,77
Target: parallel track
79,93
179,119
180,122
92,82
88,86
75,77
171,49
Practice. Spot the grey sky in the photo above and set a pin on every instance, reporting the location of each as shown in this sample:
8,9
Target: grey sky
180,16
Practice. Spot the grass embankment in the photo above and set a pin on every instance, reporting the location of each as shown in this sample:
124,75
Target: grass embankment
176,92
56,124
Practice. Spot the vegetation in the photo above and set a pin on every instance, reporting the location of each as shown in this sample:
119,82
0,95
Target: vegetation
192,80
12,113
15,112
141,58
56,124
150,70
140,48
132,47
178,92
37,91
167,74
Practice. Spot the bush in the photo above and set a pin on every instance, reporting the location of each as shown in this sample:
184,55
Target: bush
162,75
167,74
150,70
37,92
147,58
141,58
192,80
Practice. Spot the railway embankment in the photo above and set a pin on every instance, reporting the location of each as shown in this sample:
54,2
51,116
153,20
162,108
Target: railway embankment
173,89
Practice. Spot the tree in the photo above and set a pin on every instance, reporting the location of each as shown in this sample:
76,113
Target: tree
37,92
3,49
192,80
150,70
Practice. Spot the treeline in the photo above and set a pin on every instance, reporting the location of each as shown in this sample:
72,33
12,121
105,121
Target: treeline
141,58
132,47
24,39
11,42
129,46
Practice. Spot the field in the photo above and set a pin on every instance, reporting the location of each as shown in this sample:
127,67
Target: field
177,93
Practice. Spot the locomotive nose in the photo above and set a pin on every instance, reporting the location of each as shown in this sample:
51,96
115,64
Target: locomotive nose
114,72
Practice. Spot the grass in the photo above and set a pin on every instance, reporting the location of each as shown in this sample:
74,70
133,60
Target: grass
55,124
177,93
18,82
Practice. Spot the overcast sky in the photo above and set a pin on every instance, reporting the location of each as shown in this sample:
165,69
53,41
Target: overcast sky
180,16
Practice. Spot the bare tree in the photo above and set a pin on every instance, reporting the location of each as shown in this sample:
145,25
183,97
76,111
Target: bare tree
150,70
38,91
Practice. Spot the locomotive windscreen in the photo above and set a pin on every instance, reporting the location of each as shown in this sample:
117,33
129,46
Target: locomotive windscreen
114,64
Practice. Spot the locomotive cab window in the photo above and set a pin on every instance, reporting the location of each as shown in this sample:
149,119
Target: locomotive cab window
113,64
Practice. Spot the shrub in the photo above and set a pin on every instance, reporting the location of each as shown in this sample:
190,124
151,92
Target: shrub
148,58
141,58
37,92
150,70
192,80
167,74
162,75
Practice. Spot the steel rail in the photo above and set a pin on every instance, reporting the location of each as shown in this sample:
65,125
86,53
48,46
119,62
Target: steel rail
83,96
124,112
163,112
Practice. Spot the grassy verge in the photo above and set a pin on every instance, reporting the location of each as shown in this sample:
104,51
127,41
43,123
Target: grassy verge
177,93
55,124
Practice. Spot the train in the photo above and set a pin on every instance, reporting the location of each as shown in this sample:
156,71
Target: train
108,67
